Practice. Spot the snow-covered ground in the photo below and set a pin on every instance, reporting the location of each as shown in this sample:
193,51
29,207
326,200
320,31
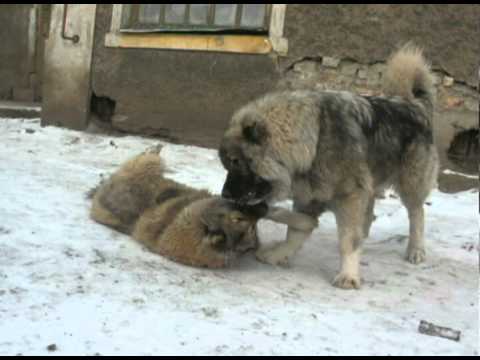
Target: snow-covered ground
67,281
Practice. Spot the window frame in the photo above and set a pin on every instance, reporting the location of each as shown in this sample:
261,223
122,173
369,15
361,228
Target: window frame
131,23
273,42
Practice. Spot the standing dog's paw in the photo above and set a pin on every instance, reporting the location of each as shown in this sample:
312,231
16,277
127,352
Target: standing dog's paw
416,255
276,255
346,281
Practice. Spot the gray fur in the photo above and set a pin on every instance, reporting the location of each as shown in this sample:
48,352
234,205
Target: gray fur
336,150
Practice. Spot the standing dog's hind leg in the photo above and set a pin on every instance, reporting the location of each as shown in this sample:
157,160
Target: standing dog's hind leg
416,244
350,215
369,217
417,179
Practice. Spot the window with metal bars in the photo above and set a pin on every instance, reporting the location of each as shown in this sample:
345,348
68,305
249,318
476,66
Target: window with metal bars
219,18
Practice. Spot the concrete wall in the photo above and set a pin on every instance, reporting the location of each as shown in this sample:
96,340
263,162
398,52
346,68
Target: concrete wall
190,96
368,33
66,78
21,55
182,95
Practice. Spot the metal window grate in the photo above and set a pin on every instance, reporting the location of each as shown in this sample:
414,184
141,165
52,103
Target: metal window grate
228,18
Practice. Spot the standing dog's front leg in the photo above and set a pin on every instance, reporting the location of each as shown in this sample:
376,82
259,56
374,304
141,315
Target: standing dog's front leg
300,227
280,254
350,215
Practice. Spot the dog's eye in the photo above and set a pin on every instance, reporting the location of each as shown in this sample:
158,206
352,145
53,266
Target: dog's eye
237,219
235,162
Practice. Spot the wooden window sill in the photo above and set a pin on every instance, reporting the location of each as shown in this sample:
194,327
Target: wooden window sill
246,44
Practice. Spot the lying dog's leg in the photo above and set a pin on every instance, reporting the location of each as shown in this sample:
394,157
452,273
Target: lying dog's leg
350,216
300,227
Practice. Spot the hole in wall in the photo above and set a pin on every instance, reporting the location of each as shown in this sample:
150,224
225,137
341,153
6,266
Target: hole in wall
464,150
102,108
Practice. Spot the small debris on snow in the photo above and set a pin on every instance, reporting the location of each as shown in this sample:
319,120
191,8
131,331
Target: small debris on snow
52,347
470,246
4,231
100,257
210,312
74,140
439,331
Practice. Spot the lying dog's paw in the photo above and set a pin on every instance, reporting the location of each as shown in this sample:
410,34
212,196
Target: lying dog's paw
416,255
276,255
346,281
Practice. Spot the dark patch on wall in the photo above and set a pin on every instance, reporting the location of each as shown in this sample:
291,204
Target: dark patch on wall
464,150
102,107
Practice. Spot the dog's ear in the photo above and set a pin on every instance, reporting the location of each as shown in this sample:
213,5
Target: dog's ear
254,130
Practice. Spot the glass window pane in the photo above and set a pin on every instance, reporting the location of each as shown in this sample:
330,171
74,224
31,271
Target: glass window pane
225,14
175,13
149,13
198,14
253,15
126,15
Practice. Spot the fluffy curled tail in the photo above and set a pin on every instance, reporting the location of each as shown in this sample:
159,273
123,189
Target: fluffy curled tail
408,75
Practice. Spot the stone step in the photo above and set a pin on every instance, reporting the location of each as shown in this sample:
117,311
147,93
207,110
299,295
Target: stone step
19,109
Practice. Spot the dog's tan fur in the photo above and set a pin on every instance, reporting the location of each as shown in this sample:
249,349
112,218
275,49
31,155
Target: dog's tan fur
184,224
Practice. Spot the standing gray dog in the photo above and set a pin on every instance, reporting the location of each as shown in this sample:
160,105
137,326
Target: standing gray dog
333,151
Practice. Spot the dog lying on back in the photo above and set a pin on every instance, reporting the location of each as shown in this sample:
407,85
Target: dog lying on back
187,225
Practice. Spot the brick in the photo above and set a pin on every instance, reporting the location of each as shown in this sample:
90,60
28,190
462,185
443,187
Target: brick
331,62
349,69
448,81
362,74
305,66
472,105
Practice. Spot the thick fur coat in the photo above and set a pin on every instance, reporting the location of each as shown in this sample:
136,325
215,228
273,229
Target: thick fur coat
334,151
